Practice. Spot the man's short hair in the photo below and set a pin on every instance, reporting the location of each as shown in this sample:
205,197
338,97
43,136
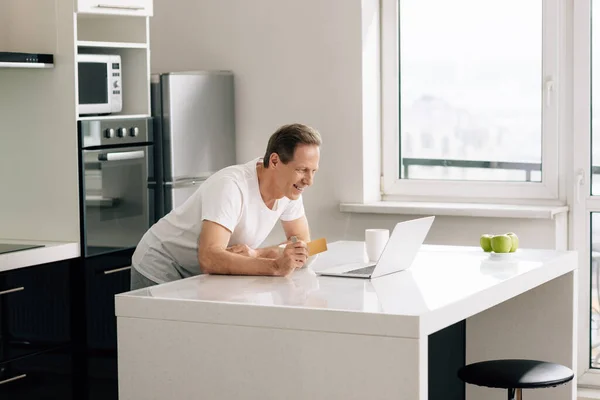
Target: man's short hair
285,140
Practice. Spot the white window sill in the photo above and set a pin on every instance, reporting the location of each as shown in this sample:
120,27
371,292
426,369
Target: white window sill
588,394
589,385
456,209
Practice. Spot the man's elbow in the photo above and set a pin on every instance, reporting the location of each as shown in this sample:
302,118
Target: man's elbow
206,262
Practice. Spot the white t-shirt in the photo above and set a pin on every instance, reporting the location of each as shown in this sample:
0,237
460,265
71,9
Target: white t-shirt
231,198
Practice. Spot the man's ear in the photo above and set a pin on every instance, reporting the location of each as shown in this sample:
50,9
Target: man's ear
274,159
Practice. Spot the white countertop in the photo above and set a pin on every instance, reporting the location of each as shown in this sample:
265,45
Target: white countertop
51,252
444,285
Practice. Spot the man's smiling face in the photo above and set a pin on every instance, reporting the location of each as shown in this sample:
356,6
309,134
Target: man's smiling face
298,174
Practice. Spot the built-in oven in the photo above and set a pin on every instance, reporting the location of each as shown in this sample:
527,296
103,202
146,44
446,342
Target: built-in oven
117,188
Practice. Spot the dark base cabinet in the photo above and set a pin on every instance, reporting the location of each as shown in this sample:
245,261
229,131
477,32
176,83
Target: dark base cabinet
446,356
102,377
39,377
36,332
58,330
35,309
105,276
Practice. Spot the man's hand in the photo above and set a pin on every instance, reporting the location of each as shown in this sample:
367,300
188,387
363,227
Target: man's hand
243,249
293,256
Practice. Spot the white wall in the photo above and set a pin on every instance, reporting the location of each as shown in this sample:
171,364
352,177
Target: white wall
3,27
303,61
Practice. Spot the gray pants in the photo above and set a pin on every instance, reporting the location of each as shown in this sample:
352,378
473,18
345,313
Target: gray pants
139,281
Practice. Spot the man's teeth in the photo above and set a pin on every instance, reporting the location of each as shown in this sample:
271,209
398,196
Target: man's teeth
299,188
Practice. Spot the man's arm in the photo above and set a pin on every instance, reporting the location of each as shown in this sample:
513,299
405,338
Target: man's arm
269,252
297,227
215,259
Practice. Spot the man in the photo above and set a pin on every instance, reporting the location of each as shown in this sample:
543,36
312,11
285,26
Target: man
219,228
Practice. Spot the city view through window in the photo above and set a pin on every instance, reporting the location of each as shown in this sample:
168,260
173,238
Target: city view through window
471,89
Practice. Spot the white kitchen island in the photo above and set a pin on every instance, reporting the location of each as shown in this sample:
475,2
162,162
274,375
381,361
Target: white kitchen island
311,337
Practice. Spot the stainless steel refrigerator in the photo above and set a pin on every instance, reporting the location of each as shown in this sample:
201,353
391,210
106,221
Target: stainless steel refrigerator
194,128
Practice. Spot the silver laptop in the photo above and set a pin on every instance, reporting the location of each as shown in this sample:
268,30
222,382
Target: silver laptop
399,252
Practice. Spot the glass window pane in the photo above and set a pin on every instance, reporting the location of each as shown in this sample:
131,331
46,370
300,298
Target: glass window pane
595,53
595,292
470,89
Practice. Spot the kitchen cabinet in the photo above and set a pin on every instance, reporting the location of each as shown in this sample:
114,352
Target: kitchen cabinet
117,7
36,332
106,276
35,313
45,376
125,36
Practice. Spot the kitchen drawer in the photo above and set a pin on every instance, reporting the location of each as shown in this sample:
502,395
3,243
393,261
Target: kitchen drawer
35,310
38,377
117,7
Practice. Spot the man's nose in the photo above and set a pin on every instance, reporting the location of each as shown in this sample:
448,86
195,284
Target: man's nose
308,179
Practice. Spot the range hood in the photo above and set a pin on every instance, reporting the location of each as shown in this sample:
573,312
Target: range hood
26,60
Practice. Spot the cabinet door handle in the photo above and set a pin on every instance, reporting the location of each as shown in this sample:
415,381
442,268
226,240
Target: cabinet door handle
134,8
12,290
112,271
14,378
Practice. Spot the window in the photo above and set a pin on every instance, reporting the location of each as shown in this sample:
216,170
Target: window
586,208
470,96
595,292
592,203
475,98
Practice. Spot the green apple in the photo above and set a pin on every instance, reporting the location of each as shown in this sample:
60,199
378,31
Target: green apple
485,241
515,241
501,243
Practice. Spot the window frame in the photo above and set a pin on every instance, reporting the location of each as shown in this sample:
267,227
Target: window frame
583,203
393,188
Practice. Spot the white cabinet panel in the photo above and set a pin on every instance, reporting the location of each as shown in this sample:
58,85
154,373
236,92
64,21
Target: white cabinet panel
122,7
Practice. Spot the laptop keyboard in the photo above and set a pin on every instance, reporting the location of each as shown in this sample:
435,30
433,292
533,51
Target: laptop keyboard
362,271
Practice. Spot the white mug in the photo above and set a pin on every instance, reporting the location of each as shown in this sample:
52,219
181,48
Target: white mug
375,241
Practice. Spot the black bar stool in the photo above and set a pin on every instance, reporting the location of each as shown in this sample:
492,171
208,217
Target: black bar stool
515,375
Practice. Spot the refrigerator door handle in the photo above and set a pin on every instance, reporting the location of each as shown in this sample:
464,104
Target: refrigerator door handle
202,176
185,182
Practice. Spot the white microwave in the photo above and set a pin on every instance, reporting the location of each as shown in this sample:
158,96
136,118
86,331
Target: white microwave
100,85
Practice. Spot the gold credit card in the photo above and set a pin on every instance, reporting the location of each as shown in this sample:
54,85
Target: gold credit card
316,246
